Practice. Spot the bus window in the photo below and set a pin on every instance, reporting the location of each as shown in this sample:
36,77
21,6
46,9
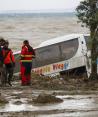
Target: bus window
87,38
47,55
69,48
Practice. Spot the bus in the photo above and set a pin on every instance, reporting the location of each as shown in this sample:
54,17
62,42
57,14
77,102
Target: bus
66,54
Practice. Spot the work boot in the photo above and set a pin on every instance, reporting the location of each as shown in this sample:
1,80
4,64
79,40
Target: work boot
28,84
9,83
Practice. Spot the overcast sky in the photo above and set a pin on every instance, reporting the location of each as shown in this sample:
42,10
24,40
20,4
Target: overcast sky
38,4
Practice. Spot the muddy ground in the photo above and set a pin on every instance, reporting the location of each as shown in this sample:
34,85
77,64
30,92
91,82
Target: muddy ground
79,95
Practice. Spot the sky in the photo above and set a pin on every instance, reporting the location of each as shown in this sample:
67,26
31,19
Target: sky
41,5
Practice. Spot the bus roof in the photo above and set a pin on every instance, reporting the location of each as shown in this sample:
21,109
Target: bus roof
59,39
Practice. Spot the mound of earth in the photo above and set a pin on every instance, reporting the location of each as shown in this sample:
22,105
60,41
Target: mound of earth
47,98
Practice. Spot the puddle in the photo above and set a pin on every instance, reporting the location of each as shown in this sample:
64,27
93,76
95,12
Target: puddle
76,102
72,114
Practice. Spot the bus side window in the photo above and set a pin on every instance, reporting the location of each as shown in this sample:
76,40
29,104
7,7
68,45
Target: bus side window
55,53
69,48
47,55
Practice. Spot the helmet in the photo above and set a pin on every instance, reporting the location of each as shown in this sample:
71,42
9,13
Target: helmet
2,41
26,42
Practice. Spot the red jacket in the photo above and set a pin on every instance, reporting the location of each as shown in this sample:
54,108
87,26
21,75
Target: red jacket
27,53
8,56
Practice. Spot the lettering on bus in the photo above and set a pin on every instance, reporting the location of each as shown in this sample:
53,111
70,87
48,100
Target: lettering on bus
42,70
51,68
66,65
60,66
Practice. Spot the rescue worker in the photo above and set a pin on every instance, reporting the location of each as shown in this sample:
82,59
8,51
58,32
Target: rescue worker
9,62
2,79
27,54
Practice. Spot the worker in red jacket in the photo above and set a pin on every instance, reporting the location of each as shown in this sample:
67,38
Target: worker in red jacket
27,54
2,70
9,62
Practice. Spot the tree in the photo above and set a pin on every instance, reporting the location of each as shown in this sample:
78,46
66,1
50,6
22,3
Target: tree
87,13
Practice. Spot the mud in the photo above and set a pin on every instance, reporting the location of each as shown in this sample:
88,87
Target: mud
80,98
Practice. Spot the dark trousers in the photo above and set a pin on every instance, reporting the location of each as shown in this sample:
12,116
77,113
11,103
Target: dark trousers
2,74
8,74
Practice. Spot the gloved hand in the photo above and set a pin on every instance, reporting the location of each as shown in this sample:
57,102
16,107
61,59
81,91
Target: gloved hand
3,65
34,56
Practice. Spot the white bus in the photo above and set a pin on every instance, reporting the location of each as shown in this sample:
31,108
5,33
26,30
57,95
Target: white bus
66,54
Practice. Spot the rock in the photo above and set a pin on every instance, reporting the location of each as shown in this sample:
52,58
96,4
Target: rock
47,98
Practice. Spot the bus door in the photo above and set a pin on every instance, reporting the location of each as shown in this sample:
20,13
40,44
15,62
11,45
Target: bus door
85,53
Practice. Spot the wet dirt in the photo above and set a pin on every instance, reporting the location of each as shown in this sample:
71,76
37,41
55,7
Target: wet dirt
80,99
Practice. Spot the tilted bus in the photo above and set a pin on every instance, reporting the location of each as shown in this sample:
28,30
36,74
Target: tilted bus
60,55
